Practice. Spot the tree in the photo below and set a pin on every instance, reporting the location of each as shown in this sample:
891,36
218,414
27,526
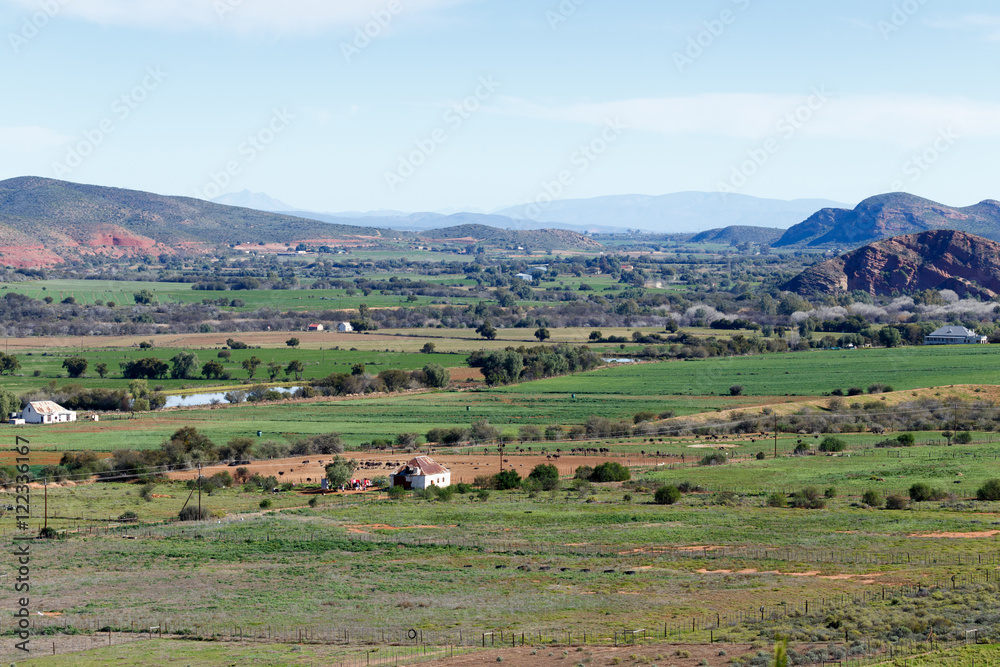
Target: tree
148,368
188,446
428,348
213,370
736,390
487,331
507,480
273,370
75,366
547,474
185,366
358,369
9,364
832,444
292,342
251,365
295,367
9,404
542,334
102,370
890,337
596,336
437,375
667,495
611,471
340,472
144,297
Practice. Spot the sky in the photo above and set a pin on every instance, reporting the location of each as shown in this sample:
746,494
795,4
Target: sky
420,105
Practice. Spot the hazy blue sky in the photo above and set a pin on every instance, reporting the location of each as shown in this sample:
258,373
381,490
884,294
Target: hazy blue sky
839,99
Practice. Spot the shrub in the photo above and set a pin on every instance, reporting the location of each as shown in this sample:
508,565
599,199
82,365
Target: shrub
830,492
872,498
801,449
879,388
507,480
611,471
761,456
190,513
832,444
896,502
483,495
776,500
546,474
264,504
667,495
714,459
922,492
583,472
640,417
736,390
808,498
989,491
905,440
397,493
128,516
855,391
314,501
963,438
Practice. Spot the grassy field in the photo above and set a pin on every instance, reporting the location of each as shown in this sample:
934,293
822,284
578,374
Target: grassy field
810,373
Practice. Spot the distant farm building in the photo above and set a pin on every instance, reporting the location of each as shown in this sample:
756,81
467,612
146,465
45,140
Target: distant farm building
47,412
525,277
421,473
955,335
345,327
315,327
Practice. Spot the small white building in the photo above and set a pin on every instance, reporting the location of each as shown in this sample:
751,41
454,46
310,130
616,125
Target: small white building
526,277
345,327
315,327
421,473
955,335
47,412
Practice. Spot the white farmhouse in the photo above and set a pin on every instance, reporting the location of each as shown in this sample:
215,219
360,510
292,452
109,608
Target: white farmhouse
421,473
47,412
528,278
955,335
345,327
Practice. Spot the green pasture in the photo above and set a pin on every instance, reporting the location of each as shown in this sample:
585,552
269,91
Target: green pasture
318,364
809,373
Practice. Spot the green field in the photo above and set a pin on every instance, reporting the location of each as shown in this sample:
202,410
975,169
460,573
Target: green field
810,373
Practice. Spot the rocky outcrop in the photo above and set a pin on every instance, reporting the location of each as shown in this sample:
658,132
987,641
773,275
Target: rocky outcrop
941,259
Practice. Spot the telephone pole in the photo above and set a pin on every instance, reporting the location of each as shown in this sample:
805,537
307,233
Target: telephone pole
46,486
199,491
775,435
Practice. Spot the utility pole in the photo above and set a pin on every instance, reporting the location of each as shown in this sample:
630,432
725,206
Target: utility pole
46,485
775,435
199,491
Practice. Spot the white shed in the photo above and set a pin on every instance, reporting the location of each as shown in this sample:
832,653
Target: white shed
421,473
345,327
47,412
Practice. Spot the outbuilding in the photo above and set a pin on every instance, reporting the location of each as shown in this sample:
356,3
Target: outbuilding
47,412
345,327
315,327
421,473
955,335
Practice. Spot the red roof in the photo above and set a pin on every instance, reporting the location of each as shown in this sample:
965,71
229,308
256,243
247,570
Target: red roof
422,466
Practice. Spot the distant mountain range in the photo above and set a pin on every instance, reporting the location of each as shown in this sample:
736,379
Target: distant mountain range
939,259
44,222
685,212
674,213
890,215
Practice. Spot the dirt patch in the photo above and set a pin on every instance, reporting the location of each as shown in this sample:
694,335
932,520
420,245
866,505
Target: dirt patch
960,536
466,374
864,578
